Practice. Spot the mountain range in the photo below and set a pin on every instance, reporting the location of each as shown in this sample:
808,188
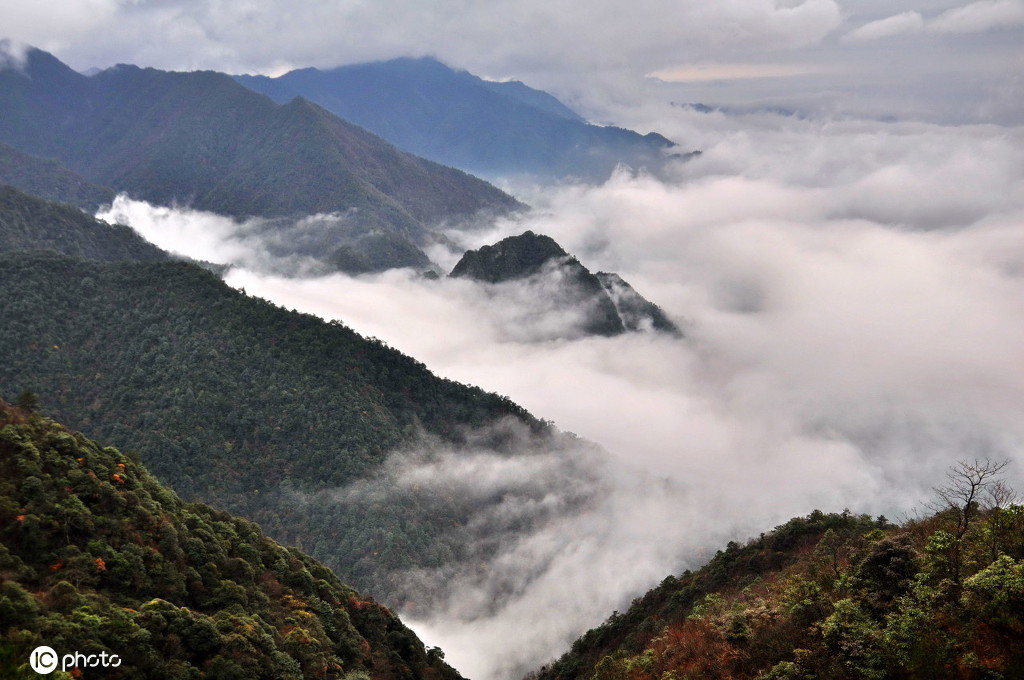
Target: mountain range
493,129
202,140
272,414
304,426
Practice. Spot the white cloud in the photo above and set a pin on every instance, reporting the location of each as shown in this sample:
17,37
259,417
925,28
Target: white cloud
976,17
899,24
12,54
719,72
41,25
980,16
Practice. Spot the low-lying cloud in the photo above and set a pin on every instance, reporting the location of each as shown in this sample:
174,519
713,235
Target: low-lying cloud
853,300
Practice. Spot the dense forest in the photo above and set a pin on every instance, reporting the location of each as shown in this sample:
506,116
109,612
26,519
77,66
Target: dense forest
237,402
49,179
28,222
837,597
96,555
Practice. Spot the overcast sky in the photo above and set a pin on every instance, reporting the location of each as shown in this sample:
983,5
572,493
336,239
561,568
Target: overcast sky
950,60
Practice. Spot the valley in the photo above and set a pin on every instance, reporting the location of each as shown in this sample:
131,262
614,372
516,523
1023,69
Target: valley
283,398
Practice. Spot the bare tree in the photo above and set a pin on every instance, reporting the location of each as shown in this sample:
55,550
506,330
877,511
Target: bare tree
970,483
1001,495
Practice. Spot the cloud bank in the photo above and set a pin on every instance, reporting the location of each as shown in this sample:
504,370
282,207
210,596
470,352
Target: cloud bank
853,299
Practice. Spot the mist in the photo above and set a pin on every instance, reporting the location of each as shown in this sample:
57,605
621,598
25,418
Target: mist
852,299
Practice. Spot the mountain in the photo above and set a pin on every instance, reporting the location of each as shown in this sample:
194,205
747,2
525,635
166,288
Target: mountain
47,178
203,140
830,597
98,557
234,401
453,117
28,222
610,306
636,312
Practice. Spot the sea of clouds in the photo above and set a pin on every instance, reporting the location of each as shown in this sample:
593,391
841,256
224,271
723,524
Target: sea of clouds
852,298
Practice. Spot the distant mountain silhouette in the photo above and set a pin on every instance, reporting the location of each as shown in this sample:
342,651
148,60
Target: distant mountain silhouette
456,118
204,140
610,304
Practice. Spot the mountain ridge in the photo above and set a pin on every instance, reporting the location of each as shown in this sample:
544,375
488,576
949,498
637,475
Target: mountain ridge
204,140
609,306
455,118
28,222
144,354
97,556
831,596
48,178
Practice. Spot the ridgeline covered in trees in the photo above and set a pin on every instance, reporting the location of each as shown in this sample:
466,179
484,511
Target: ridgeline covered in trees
97,556
836,597
234,401
28,222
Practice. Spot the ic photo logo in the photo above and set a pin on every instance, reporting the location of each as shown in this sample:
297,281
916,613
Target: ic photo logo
45,660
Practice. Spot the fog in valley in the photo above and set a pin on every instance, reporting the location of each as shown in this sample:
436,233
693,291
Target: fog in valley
851,294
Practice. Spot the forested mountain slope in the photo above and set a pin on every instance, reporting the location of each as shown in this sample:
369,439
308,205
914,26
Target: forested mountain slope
28,222
456,118
97,556
832,596
49,179
204,140
235,401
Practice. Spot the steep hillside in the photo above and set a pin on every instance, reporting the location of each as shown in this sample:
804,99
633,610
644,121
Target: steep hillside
606,303
49,179
31,223
204,140
832,597
456,118
235,401
96,556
